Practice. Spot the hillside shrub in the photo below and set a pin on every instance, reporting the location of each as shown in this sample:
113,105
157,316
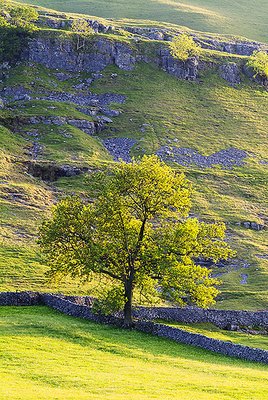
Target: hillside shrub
184,47
259,62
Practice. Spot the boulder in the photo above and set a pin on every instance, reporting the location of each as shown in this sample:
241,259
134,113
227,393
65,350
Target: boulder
230,72
253,225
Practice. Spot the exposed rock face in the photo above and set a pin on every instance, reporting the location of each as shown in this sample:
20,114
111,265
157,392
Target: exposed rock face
244,48
62,54
261,80
55,22
241,47
181,69
149,33
230,72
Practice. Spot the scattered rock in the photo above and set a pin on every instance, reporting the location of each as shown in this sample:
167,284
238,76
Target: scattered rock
110,113
36,150
244,279
253,225
105,119
119,148
144,127
227,159
63,76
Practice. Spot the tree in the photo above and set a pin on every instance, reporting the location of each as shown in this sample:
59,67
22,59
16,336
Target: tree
83,31
184,47
136,233
259,62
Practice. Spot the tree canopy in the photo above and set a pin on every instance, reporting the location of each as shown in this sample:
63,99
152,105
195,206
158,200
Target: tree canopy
184,47
137,233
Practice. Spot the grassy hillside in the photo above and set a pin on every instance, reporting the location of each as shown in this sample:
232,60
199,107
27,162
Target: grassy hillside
46,355
241,17
40,126
159,110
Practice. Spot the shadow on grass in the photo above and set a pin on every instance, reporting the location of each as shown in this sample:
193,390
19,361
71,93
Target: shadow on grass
40,321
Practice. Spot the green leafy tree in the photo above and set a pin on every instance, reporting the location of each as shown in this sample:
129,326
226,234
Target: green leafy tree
259,62
184,47
83,31
136,233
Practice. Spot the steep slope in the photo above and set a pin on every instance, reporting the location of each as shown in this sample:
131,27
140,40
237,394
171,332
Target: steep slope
242,17
67,112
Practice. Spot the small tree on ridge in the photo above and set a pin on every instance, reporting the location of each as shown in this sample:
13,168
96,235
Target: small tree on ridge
184,47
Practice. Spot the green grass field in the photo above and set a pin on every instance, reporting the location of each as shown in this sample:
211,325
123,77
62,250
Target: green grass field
241,17
46,355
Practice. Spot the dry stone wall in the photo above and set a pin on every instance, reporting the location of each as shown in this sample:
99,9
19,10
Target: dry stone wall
80,307
224,319
194,339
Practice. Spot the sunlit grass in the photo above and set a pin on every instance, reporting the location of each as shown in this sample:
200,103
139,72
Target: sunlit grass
45,355
242,17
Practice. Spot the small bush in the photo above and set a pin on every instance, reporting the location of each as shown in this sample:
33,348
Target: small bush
184,47
259,62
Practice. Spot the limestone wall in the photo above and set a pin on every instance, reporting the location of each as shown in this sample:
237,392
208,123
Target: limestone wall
222,318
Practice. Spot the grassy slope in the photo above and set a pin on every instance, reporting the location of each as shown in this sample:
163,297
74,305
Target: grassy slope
46,355
209,116
242,17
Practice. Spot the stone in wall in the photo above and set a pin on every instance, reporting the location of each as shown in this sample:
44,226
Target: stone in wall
19,298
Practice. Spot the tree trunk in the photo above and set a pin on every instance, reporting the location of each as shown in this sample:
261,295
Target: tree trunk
128,323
